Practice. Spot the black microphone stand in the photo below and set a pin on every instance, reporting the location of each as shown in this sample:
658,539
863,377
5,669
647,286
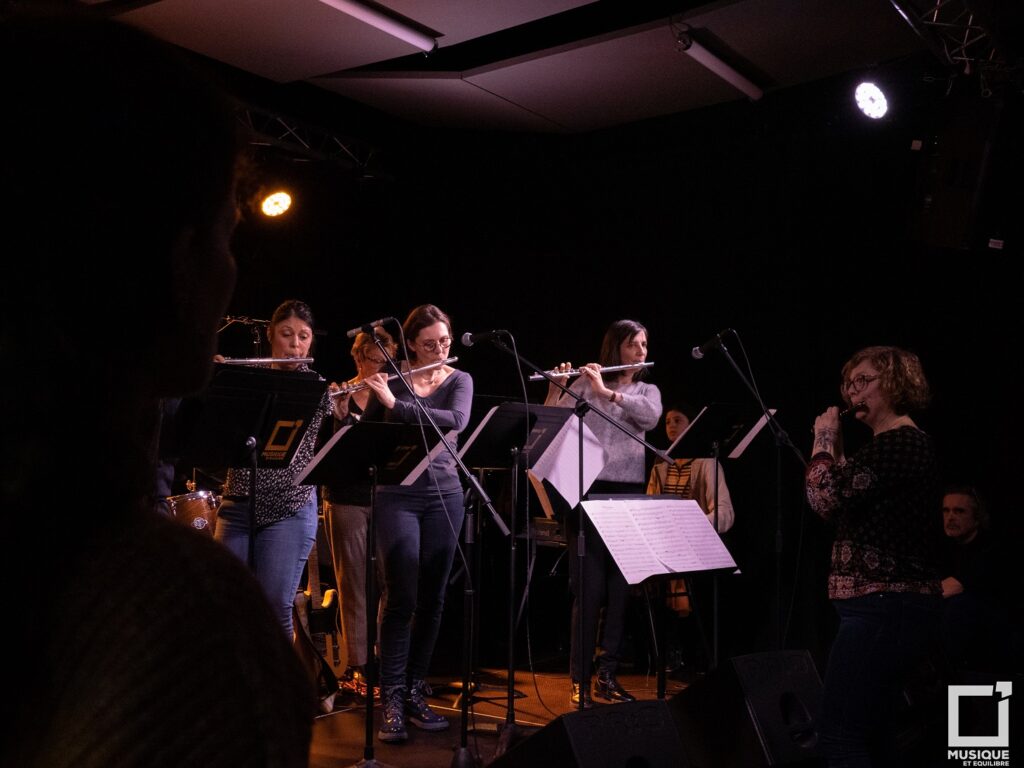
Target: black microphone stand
781,439
372,593
462,758
581,408
510,733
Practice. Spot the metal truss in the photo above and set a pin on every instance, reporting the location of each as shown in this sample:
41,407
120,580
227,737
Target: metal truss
268,129
961,39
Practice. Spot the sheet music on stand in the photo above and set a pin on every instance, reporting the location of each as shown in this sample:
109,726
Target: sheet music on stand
550,453
733,426
658,536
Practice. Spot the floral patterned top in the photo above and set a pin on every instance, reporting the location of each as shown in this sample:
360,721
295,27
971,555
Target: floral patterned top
884,502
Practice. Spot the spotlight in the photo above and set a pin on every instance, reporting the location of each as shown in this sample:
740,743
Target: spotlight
871,100
276,204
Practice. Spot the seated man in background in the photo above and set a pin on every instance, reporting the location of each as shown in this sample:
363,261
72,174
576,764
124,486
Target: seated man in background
976,614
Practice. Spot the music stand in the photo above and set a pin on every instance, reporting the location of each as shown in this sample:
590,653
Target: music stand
249,418
719,429
515,434
384,452
656,537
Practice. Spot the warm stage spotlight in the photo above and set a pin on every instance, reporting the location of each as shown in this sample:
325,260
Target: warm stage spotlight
276,204
871,100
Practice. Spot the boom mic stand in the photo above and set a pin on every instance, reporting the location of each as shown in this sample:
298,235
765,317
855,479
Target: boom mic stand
781,439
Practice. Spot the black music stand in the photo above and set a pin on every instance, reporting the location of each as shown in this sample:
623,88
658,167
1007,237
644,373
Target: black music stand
511,435
393,454
720,429
652,538
249,418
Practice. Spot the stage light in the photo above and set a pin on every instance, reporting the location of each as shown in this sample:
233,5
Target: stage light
384,23
276,204
871,100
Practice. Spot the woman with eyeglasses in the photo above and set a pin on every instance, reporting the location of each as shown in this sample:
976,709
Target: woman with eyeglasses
347,507
884,581
418,525
637,404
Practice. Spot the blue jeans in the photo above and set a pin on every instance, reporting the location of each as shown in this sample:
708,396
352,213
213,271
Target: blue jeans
281,551
417,533
881,638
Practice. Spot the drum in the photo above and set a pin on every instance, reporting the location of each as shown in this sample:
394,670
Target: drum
197,510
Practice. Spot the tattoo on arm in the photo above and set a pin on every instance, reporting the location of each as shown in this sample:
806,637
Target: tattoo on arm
825,440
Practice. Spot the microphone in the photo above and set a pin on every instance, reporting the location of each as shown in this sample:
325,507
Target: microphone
368,327
469,339
713,343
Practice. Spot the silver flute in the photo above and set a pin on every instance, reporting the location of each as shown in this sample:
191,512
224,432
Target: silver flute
265,360
364,385
577,371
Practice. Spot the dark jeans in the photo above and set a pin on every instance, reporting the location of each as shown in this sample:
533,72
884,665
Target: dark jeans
416,537
881,639
604,586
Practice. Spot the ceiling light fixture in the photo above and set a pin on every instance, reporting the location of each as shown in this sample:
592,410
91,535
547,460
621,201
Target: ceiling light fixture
398,29
709,61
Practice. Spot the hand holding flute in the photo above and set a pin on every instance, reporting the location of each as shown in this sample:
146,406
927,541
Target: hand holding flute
828,434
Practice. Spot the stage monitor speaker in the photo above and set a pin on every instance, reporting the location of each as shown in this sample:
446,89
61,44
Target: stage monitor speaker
638,734
762,709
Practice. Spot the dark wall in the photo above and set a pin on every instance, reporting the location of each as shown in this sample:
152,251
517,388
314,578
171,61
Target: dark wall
809,230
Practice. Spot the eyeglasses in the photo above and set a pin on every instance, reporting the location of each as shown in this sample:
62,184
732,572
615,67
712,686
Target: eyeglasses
858,383
431,346
374,360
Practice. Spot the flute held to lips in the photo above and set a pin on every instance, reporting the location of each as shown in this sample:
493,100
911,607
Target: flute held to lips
852,409
363,385
577,371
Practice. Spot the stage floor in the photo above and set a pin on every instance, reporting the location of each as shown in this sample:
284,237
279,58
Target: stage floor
339,738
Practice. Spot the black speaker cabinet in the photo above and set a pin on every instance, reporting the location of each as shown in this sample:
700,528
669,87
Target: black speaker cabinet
638,734
762,709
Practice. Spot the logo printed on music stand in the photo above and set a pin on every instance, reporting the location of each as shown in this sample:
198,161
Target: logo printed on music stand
285,432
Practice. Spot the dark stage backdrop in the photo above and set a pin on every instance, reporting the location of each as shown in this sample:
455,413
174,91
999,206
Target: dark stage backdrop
809,230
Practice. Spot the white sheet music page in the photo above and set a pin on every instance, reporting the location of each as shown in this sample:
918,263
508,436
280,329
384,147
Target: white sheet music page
560,466
627,545
647,537
680,535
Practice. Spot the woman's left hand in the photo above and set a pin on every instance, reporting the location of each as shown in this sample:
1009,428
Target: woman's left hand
378,382
592,371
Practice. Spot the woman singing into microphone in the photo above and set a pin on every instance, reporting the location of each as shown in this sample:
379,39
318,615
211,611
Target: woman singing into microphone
637,404
418,525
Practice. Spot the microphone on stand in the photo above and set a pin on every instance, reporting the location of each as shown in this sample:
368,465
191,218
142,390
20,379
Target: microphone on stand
368,327
713,343
469,339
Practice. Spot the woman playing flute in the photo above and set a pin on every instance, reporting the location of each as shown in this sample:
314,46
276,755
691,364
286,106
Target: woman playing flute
623,395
